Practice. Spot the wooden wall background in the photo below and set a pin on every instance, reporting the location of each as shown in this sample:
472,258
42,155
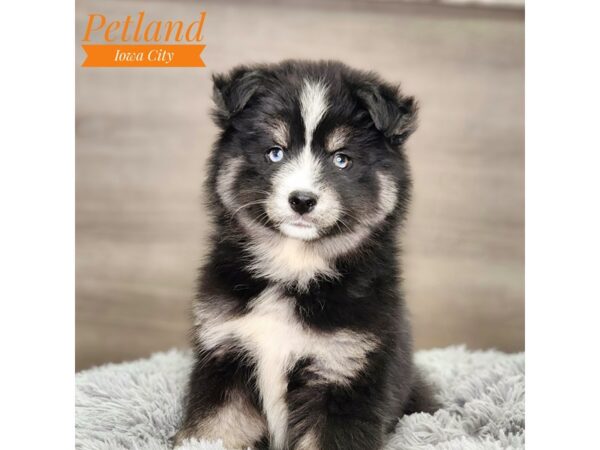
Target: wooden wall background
143,136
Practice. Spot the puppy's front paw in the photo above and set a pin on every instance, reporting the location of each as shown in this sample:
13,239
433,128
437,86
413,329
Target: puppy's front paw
189,440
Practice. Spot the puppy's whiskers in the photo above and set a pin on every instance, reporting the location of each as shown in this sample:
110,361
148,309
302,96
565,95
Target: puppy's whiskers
247,205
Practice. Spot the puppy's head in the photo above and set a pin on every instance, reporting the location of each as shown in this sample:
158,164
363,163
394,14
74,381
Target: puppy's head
309,150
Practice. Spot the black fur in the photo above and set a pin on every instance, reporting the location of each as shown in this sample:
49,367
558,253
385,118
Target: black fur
363,297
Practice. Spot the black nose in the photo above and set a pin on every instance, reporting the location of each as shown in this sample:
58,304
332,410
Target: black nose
302,202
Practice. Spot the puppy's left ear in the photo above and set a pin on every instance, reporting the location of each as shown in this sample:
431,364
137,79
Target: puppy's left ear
394,114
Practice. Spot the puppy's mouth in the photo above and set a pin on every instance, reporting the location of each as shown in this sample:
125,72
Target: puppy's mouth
300,228
302,223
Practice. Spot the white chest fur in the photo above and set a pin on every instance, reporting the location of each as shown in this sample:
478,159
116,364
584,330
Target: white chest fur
275,339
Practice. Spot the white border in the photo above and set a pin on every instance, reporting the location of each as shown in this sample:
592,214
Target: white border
37,223
37,252
563,224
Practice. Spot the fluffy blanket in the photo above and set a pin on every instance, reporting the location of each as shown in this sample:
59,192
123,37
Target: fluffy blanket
138,405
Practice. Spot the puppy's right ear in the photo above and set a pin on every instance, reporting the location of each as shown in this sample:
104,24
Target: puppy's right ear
233,90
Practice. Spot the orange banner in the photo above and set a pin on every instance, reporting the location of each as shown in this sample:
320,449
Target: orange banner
143,55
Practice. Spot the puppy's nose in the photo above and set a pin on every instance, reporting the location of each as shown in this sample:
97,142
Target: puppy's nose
302,202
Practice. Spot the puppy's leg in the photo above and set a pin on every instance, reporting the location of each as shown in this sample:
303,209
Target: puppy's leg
221,404
329,416
422,396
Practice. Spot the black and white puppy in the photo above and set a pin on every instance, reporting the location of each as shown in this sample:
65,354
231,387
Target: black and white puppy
301,334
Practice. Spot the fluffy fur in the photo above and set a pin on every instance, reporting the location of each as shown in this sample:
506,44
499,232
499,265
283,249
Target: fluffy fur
138,405
301,336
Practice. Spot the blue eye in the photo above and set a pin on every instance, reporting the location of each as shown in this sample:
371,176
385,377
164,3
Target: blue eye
275,154
341,161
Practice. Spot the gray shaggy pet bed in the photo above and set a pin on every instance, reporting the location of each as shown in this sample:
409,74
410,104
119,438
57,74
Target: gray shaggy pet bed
138,405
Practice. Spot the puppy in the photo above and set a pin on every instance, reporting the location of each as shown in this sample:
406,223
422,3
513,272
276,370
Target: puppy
301,334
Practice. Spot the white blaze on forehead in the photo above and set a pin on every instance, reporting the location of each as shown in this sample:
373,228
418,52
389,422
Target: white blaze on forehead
313,105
